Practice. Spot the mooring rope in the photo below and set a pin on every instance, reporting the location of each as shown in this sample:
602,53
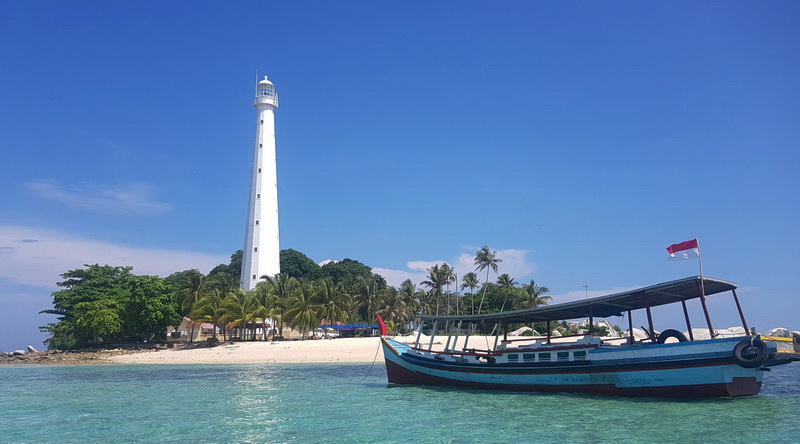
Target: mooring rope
374,360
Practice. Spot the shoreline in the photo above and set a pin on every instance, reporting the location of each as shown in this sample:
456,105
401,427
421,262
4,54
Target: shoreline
339,350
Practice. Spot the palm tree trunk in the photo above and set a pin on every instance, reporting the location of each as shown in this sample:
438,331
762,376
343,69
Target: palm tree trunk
485,287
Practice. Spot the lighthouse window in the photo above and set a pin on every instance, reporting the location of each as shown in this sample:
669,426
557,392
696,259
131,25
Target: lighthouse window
256,222
260,145
255,248
254,276
259,170
262,122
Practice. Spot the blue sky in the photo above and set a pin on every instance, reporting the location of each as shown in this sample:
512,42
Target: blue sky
579,139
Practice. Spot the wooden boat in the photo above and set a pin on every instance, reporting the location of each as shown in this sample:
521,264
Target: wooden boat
665,364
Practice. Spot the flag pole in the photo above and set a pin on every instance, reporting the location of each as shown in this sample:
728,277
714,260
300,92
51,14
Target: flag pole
711,330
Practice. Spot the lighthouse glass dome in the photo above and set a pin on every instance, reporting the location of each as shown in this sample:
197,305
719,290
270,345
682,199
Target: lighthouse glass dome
266,88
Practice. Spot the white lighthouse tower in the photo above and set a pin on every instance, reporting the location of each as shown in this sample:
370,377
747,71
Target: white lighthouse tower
262,244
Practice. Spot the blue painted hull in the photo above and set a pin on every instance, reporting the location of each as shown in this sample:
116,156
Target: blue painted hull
687,369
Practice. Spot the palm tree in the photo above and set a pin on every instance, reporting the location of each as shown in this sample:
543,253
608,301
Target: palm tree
396,307
435,282
191,288
486,259
507,282
535,295
335,303
303,312
224,282
368,296
265,293
209,309
448,277
283,287
415,299
471,282
242,307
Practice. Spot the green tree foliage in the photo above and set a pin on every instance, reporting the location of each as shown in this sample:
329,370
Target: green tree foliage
298,265
349,272
101,303
149,309
232,269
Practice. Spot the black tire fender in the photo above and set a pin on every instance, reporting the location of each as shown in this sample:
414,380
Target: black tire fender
750,359
671,333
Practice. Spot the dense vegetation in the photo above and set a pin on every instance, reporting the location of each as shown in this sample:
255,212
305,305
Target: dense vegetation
102,304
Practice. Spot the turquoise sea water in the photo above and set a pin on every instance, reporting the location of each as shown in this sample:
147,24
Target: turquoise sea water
336,403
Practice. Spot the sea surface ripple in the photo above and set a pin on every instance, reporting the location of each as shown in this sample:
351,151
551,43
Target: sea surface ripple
304,403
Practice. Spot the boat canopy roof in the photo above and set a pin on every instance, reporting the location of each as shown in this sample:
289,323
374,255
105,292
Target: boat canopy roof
605,306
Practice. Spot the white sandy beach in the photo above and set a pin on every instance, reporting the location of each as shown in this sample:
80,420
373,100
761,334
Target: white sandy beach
352,350
283,352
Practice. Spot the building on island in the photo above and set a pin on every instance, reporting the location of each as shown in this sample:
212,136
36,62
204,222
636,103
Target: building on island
262,241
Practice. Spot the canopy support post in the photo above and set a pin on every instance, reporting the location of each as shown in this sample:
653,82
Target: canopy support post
548,331
591,320
448,328
433,335
419,333
630,328
652,333
496,336
688,322
505,331
741,313
466,338
705,310
455,338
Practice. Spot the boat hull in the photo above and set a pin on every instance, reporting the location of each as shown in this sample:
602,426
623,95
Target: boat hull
706,374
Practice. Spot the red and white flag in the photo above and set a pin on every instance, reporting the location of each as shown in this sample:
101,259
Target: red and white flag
684,250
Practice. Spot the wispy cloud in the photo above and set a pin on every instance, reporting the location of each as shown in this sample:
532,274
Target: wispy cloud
125,198
37,257
515,263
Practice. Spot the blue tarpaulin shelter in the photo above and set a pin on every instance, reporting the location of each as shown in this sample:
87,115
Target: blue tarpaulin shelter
350,330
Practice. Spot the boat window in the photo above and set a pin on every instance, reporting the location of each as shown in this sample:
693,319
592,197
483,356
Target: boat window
562,356
544,357
513,357
579,354
529,357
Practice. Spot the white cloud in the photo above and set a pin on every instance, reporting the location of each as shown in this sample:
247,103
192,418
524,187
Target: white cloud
126,198
515,263
37,257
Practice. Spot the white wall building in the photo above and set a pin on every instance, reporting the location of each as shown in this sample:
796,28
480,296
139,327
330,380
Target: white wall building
262,240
